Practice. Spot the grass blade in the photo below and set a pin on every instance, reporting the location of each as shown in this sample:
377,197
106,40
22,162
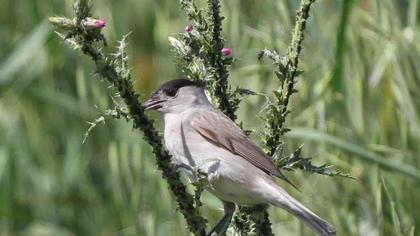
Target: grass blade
358,151
24,52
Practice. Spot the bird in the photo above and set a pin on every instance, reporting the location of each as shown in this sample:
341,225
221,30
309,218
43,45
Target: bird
206,144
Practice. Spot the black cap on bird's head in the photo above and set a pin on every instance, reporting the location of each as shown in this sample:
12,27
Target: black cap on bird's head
166,91
175,84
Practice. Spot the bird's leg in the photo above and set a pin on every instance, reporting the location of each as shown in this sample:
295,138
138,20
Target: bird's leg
179,165
199,173
208,167
221,226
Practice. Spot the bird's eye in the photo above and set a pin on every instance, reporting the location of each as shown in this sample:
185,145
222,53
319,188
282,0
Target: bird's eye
171,92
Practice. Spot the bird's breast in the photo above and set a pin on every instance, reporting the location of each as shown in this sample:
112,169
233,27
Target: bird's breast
172,134
184,143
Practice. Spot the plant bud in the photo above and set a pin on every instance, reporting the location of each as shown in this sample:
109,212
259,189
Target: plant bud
227,51
61,22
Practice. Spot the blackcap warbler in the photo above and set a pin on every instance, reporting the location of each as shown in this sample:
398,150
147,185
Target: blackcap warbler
204,141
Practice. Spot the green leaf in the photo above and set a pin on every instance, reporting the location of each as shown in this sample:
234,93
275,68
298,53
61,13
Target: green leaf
228,60
273,55
357,151
280,75
242,92
296,161
298,72
395,218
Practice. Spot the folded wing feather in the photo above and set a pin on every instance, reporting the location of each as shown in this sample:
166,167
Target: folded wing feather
223,132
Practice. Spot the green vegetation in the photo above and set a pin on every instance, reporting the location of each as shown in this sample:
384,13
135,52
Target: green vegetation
356,108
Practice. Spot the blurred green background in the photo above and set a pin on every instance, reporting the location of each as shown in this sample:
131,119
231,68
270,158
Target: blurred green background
358,108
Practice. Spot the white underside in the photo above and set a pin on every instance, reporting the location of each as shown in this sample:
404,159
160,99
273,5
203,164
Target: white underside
229,177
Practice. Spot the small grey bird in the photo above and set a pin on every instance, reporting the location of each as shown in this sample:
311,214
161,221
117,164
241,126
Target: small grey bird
204,142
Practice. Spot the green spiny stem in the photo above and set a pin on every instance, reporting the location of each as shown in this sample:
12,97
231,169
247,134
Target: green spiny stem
221,74
85,41
275,127
221,92
294,52
275,122
196,223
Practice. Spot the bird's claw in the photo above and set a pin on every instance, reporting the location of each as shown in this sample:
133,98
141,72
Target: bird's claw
177,166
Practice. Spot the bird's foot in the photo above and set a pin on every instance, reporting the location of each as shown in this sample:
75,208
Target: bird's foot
177,166
221,227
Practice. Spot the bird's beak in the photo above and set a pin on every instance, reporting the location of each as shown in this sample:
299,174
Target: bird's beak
153,104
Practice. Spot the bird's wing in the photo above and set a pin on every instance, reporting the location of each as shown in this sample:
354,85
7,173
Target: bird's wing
219,129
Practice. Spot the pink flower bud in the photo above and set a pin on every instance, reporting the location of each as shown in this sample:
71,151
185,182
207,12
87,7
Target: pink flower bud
100,23
189,28
227,51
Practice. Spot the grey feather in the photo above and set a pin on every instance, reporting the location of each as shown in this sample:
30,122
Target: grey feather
237,170
222,131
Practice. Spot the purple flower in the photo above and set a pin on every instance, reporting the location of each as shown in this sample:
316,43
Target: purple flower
189,28
227,51
100,23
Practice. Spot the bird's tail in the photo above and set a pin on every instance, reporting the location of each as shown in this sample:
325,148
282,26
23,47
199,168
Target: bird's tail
283,200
